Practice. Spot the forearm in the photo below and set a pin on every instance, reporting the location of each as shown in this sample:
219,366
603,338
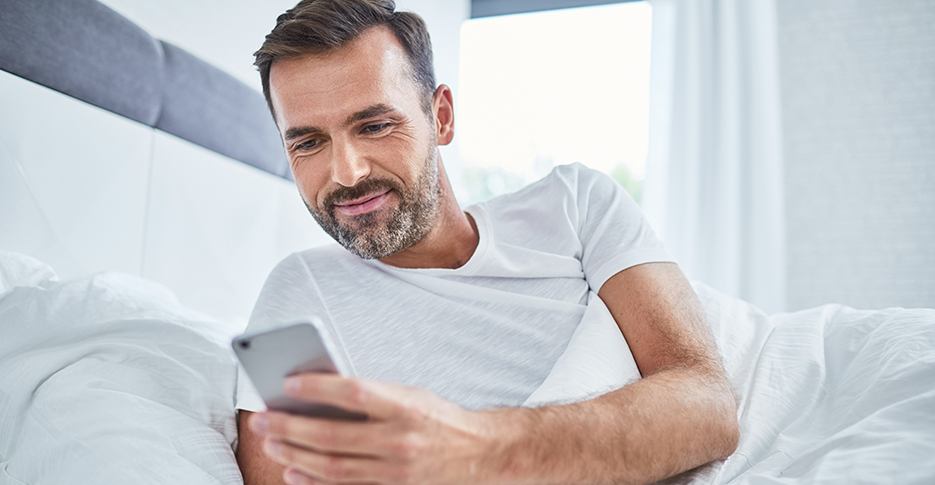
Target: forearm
669,422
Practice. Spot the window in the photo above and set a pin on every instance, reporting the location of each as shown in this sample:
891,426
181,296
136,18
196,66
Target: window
547,88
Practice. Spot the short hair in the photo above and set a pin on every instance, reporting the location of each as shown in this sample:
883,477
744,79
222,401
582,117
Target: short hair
318,26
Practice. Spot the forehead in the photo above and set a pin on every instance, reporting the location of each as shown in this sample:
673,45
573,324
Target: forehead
321,89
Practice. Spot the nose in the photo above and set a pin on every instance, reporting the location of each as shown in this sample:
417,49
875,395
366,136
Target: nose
348,166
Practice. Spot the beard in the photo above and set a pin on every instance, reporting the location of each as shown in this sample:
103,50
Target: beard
370,236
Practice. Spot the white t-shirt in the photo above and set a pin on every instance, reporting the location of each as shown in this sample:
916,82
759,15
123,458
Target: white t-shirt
485,334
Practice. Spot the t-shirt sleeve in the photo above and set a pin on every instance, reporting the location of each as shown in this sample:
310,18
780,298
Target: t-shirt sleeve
288,295
613,232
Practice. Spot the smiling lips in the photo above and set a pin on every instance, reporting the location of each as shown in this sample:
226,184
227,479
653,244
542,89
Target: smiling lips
362,205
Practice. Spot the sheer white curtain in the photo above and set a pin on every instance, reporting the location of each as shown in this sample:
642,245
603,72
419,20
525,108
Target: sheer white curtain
713,187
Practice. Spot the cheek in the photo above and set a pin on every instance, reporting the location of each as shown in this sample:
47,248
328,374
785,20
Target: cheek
405,157
310,184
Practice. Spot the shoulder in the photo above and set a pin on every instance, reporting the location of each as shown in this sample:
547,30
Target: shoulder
560,193
291,289
303,264
574,174
584,181
562,181
540,213
320,255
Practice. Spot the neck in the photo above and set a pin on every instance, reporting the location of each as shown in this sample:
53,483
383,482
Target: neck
451,241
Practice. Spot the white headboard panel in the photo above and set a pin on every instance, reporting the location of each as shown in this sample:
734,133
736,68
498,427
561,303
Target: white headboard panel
87,190
72,180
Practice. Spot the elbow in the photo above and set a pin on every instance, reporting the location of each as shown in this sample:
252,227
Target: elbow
730,432
728,425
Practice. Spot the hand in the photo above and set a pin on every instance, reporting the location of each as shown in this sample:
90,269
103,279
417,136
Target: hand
411,436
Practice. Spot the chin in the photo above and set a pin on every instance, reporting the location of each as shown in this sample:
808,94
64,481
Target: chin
368,223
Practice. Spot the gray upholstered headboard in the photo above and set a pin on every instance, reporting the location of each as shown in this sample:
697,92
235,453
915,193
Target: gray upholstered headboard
84,49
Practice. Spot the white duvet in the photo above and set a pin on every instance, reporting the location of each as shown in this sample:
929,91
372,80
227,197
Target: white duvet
108,380
827,395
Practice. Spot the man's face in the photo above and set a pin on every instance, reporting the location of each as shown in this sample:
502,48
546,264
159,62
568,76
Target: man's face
362,149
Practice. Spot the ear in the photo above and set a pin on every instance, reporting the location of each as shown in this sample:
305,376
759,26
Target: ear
444,110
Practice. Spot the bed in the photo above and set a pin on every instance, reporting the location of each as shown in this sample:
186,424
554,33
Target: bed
145,198
108,377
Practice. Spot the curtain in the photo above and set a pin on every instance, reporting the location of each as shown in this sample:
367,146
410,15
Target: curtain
713,188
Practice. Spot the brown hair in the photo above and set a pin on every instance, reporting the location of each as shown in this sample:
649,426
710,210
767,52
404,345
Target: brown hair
317,26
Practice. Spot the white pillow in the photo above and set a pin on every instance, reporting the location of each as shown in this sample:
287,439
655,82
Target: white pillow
596,360
108,379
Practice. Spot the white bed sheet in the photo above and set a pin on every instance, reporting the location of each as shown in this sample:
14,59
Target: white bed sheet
108,378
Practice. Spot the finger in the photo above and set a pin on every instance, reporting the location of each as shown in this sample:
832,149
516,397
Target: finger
375,399
325,467
293,476
326,435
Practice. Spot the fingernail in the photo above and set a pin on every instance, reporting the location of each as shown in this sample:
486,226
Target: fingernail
259,423
292,384
292,477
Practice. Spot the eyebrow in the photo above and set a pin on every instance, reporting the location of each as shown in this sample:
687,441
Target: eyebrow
368,112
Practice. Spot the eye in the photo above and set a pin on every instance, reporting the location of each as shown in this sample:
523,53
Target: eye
374,128
306,145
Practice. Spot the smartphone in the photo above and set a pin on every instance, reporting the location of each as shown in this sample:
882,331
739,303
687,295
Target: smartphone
270,356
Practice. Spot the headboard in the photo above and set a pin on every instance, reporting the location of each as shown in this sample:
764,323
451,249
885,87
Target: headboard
84,49
119,151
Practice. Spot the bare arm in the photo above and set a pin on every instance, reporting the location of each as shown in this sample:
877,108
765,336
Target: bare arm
255,466
682,414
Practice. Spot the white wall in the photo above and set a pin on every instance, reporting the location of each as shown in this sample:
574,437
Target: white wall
858,90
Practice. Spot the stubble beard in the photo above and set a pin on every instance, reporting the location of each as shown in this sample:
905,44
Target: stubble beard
371,236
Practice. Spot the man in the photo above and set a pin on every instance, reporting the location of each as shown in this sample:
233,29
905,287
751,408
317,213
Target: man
452,318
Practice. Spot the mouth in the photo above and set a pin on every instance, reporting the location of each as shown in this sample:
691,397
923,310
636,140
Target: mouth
362,205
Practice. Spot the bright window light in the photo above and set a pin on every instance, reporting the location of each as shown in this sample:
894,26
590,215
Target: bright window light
547,88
